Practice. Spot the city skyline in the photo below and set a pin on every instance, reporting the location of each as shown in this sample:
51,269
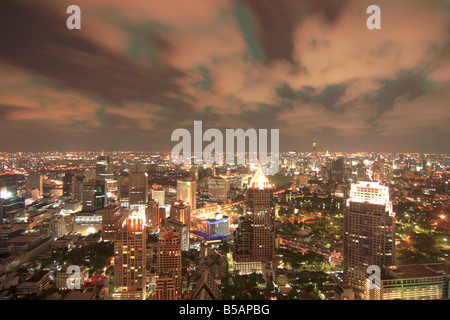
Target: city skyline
137,71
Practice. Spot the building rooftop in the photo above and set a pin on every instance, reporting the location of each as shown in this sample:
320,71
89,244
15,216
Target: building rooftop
417,271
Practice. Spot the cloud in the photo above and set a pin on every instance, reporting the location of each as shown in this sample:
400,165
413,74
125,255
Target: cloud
429,111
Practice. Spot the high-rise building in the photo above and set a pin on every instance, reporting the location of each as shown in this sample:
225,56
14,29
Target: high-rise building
168,265
152,215
255,235
35,181
124,191
165,287
337,170
77,187
181,211
138,186
180,227
368,232
103,168
260,210
11,208
130,259
67,183
94,195
193,173
159,196
112,220
217,189
187,191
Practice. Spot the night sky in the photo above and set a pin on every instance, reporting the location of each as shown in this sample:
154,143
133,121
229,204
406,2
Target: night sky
137,70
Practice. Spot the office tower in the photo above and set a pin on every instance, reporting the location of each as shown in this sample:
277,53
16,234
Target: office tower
90,174
168,262
124,191
218,226
67,183
77,187
187,191
243,241
181,211
10,208
193,173
260,210
35,181
337,170
180,227
368,232
112,220
93,195
255,236
206,288
152,215
103,168
159,196
217,189
130,259
361,172
138,186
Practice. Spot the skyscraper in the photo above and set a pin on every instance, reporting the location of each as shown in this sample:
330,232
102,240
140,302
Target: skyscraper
368,232
103,168
112,220
260,210
130,259
181,211
94,195
138,189
168,265
35,181
187,191
255,235
152,215
159,196
67,183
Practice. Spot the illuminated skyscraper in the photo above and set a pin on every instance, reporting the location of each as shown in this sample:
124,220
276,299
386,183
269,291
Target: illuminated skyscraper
159,196
93,195
112,220
181,211
368,232
138,186
103,168
152,214
130,259
260,210
168,265
255,236
187,191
